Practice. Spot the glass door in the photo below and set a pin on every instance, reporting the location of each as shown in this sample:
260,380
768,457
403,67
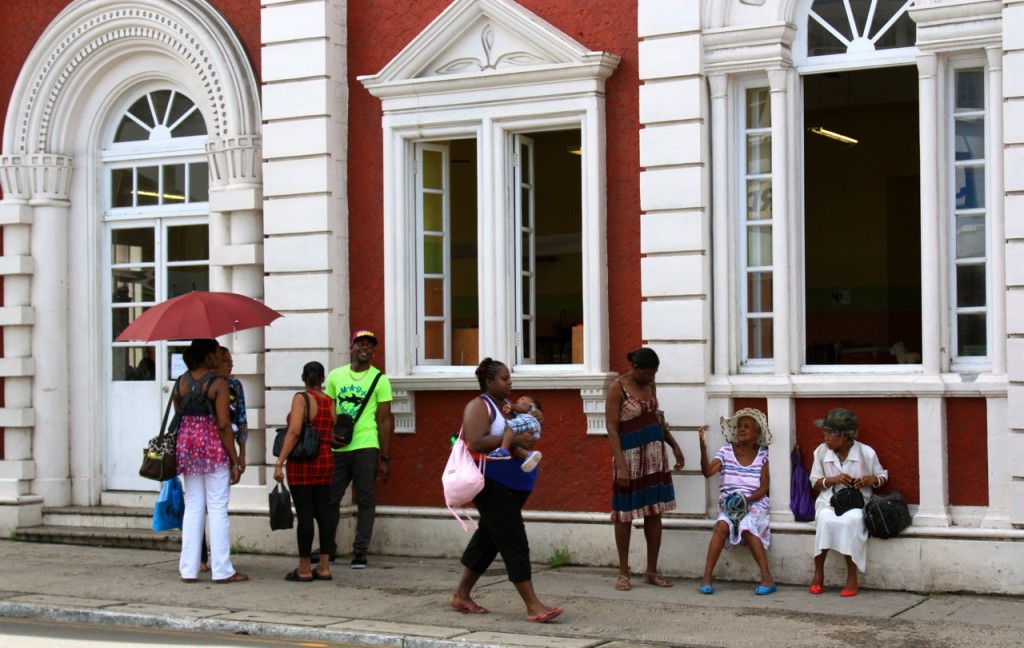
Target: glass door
149,261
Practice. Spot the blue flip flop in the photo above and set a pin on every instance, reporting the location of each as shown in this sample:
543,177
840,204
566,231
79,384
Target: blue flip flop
706,589
762,590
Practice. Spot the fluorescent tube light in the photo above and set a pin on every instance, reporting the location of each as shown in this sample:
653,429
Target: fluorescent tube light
833,135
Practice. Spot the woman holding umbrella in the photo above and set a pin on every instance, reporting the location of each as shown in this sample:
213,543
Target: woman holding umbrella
207,462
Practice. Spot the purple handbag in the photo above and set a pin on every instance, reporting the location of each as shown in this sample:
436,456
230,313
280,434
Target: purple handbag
801,502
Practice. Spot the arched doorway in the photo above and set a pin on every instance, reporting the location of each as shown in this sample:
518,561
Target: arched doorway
156,246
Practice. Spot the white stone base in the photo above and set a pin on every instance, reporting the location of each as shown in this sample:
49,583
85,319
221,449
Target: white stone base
25,512
921,560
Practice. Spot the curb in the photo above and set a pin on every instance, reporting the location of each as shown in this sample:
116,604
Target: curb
246,628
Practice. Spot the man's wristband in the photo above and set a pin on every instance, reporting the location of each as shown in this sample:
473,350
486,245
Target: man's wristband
385,458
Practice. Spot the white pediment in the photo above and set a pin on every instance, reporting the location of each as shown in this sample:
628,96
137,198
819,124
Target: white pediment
475,39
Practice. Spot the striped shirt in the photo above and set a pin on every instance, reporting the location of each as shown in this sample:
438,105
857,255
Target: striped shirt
745,479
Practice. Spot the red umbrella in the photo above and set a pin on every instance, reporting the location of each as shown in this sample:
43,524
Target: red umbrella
198,314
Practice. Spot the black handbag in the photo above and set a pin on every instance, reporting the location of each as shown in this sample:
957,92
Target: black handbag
885,516
846,499
281,516
159,459
345,425
308,445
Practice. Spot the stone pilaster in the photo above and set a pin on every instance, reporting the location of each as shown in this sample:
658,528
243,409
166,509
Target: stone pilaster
236,265
36,415
674,203
305,195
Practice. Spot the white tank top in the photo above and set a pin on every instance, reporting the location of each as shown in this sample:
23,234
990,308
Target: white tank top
498,422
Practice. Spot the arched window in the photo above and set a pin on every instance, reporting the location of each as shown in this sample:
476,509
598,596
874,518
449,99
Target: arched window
161,123
160,115
838,31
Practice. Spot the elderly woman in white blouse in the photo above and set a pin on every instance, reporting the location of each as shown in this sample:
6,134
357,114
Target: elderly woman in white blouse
842,462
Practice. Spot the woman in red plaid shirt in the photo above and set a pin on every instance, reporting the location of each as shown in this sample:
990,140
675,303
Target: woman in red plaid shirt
310,479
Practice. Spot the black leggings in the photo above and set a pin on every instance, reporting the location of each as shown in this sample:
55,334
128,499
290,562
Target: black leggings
311,502
501,530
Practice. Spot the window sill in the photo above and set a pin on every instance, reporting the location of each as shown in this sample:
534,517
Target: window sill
591,386
459,378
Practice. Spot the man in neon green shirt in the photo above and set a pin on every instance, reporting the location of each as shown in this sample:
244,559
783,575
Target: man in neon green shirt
367,456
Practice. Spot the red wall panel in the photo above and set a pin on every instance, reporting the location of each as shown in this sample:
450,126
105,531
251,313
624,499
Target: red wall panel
575,473
966,438
889,425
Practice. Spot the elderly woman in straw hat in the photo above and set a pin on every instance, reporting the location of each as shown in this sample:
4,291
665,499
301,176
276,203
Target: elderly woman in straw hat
842,462
743,493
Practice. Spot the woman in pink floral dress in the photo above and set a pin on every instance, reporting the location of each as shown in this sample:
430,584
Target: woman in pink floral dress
207,462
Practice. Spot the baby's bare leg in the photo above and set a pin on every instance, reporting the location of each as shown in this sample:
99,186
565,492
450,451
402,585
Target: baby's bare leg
506,438
519,452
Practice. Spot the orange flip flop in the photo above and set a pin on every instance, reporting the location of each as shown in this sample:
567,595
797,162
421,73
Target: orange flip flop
545,616
469,608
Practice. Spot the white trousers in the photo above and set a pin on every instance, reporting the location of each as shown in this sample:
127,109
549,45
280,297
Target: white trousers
206,495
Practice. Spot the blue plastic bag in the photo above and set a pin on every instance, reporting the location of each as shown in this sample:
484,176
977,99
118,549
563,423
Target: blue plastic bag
801,502
170,506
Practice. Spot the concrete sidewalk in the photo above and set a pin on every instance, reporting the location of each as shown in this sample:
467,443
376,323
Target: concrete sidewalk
404,602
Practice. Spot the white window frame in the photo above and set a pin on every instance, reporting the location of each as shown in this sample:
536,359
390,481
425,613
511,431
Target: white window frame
950,211
526,228
747,364
489,69
417,250
498,237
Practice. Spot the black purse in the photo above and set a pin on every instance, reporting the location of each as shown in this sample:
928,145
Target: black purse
281,516
308,445
885,516
159,459
345,425
846,499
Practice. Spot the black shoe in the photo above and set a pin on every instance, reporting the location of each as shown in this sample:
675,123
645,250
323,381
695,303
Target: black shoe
359,560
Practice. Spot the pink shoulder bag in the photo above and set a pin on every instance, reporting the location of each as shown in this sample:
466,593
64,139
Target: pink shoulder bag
462,480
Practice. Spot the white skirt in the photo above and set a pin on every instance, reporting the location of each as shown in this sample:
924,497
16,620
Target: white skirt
845,534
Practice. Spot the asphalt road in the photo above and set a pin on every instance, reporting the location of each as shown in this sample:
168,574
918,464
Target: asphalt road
42,633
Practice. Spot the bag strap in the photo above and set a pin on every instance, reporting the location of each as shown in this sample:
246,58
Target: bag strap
492,407
167,410
203,384
305,419
367,397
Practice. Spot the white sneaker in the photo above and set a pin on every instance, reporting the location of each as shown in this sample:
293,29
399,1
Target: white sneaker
531,461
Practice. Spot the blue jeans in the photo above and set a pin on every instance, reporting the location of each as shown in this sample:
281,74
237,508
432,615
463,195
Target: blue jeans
359,468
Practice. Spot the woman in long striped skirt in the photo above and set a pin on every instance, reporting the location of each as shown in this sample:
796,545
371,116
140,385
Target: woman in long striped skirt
642,486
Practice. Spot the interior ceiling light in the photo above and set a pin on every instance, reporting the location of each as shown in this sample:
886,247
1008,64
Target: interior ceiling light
832,135
574,150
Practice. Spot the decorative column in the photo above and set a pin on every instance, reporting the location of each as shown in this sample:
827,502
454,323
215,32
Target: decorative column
722,265
931,265
19,506
778,79
998,514
996,220
932,449
236,265
50,179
